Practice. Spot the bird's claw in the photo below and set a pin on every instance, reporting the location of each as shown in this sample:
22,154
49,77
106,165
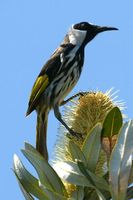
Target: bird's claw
75,134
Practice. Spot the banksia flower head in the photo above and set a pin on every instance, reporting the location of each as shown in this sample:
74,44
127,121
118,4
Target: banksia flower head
82,115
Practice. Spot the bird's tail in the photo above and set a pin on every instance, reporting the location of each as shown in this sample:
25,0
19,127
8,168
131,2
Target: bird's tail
41,134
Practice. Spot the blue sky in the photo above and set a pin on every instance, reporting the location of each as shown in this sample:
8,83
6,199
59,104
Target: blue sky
30,32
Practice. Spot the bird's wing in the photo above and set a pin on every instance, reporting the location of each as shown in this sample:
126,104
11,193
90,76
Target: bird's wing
47,74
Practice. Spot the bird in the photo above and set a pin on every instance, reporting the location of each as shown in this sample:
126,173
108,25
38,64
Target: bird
58,77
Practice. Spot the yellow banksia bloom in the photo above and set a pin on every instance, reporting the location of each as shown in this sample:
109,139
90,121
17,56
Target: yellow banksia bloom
82,115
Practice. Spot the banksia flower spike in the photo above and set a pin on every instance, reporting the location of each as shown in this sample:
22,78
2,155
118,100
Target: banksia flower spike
82,115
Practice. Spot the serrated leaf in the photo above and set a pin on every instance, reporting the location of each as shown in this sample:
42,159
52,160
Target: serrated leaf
26,180
91,147
51,194
76,152
96,181
48,177
121,162
112,123
70,172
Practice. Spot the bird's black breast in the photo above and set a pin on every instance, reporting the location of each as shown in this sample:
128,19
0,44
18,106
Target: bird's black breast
78,60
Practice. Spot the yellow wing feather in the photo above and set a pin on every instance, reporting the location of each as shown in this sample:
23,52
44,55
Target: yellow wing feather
39,87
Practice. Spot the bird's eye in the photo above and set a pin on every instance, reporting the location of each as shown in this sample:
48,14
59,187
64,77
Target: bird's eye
81,26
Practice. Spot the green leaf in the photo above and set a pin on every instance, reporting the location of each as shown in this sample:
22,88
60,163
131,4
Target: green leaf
130,193
100,195
26,181
130,181
76,152
70,172
78,194
25,193
91,147
121,162
97,181
47,175
93,195
51,194
31,148
112,123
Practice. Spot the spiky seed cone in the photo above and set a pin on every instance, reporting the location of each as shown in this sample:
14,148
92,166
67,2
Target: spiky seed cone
91,109
82,115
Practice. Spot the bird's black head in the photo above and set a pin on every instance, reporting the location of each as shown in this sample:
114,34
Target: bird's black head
92,30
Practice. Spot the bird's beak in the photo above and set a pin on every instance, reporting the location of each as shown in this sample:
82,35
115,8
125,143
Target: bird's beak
100,29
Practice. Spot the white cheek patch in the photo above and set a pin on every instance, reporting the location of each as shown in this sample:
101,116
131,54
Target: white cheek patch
76,37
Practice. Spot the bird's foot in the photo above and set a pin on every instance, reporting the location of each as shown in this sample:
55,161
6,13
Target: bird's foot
74,134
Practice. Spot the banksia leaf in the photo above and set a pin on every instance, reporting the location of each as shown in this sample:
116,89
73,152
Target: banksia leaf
130,193
78,194
69,171
47,175
111,126
112,123
48,183
28,183
52,194
76,153
96,181
121,162
91,147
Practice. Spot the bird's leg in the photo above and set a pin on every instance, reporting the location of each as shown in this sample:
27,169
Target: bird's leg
58,116
72,97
